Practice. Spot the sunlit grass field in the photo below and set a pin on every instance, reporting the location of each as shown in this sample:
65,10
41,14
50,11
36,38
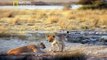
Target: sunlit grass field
20,21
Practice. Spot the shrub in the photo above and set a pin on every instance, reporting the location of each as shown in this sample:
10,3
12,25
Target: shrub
84,2
93,4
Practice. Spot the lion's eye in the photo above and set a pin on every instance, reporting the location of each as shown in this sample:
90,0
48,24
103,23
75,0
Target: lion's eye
54,36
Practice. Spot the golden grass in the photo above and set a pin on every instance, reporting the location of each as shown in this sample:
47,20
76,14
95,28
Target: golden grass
53,20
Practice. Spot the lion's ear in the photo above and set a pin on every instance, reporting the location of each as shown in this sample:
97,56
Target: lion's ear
67,32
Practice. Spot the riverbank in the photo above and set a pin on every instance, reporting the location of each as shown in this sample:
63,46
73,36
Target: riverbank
71,49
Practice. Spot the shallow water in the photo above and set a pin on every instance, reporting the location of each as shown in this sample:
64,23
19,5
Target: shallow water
38,7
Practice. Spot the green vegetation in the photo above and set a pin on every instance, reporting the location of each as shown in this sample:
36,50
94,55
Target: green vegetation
93,4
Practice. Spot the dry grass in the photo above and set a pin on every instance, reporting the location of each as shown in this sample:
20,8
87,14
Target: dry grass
52,20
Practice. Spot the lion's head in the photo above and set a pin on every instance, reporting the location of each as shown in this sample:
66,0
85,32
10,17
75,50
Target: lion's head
51,38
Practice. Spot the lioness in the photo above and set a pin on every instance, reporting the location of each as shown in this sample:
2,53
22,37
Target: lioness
26,49
56,41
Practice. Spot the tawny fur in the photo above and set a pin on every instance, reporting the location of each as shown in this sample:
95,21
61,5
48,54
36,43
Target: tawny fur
25,49
56,42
